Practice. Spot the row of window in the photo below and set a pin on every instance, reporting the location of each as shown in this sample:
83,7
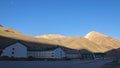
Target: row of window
40,54
13,50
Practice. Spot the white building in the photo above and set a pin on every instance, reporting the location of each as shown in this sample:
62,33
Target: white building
72,54
16,49
22,50
54,53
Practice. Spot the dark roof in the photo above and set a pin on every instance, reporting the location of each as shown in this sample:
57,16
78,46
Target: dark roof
84,51
5,41
70,51
37,45
42,49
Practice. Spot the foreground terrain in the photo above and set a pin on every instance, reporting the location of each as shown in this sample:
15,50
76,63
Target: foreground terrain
54,64
112,64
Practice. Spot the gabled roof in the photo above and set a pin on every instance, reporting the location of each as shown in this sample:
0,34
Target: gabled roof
14,42
4,42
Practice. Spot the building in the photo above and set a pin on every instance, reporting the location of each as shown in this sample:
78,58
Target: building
20,49
16,49
72,53
86,55
53,53
100,55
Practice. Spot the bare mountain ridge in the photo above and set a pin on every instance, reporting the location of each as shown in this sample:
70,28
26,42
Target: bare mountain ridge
51,36
11,33
103,40
92,42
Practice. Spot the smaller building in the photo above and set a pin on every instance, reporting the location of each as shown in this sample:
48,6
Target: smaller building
86,55
100,55
91,55
72,53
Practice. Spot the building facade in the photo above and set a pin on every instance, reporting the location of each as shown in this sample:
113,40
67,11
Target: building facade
72,53
53,53
20,50
17,50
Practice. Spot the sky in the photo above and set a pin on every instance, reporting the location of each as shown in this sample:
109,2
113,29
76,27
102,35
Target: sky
66,17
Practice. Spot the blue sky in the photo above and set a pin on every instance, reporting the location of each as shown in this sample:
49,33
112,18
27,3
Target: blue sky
66,17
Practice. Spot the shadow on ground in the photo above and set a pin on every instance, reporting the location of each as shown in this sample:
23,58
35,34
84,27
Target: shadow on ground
112,64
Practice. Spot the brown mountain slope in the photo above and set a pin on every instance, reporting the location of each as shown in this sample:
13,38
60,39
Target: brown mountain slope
11,33
51,36
80,43
94,41
74,42
103,40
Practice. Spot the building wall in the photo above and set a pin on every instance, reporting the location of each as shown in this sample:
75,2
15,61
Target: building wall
73,56
57,53
40,54
88,56
17,50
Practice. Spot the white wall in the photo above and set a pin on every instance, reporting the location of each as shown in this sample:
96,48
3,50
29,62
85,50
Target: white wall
73,56
40,54
19,50
59,53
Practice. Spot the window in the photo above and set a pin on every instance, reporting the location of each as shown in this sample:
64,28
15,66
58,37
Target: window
13,48
52,55
12,52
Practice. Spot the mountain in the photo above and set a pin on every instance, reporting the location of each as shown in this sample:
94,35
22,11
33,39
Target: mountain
73,42
93,41
80,43
14,34
51,36
107,42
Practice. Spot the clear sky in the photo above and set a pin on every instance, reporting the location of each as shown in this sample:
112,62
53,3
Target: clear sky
66,17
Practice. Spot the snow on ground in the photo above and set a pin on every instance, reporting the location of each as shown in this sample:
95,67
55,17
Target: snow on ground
53,64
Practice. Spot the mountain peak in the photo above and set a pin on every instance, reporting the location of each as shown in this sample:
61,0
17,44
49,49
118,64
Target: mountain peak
94,34
51,36
103,40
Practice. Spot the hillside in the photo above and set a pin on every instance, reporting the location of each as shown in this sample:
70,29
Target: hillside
73,42
80,43
11,33
51,36
93,41
104,41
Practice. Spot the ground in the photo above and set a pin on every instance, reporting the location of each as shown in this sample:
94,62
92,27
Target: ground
112,64
54,64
